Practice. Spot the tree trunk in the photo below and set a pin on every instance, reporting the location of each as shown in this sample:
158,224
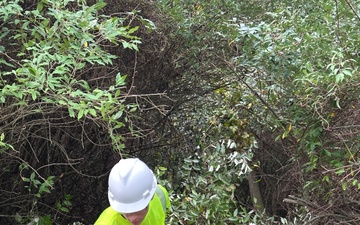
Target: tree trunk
255,192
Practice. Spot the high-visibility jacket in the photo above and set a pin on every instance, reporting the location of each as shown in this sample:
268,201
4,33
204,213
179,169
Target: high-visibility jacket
158,206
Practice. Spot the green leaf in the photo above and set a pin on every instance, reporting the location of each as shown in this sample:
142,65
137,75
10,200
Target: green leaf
92,112
32,176
339,77
99,5
162,168
132,30
343,186
120,80
40,6
32,70
2,61
354,182
326,178
64,209
118,115
347,72
71,112
45,220
80,114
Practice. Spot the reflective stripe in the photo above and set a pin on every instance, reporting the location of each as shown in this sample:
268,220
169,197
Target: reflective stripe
160,193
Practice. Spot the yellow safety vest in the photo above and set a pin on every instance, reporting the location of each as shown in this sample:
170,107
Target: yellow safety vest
155,215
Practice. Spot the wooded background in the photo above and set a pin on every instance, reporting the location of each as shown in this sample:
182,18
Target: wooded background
248,112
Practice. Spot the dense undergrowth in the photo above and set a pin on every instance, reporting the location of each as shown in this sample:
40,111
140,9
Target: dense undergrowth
248,112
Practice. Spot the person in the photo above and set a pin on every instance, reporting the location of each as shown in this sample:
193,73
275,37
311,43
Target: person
135,197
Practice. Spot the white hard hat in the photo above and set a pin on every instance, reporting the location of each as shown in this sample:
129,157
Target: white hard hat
131,185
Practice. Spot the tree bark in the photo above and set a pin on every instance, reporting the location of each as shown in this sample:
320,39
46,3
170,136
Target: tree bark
255,192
